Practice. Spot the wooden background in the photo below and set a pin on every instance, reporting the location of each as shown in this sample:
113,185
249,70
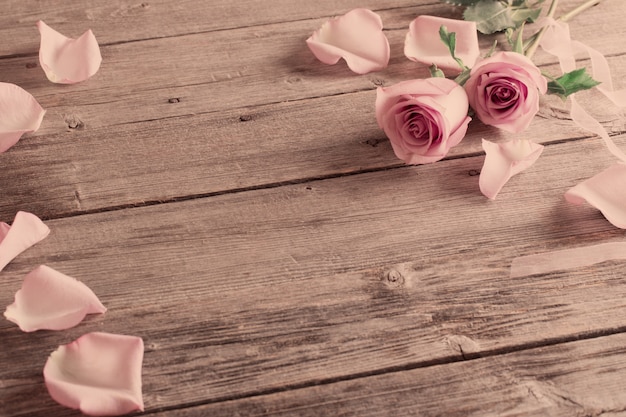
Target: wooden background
231,200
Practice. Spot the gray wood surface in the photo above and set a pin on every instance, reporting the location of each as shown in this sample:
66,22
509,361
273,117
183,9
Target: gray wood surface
232,201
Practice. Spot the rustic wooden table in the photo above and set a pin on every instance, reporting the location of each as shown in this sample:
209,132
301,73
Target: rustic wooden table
232,201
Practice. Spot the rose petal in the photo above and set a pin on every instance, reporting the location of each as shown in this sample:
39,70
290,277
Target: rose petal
51,300
422,42
4,229
606,192
65,60
25,231
503,160
356,37
19,113
543,263
98,373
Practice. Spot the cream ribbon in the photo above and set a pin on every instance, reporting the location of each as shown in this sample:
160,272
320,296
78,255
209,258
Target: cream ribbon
557,41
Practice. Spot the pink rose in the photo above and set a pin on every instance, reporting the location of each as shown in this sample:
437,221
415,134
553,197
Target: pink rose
423,119
504,90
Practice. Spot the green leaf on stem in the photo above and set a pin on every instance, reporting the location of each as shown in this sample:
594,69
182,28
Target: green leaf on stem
571,82
495,15
436,72
492,49
449,39
461,2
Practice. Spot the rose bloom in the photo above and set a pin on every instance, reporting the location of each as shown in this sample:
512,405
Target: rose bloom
423,118
504,90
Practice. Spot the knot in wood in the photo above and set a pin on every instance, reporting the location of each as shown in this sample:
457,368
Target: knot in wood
394,278
174,100
31,65
373,142
73,122
245,118
473,172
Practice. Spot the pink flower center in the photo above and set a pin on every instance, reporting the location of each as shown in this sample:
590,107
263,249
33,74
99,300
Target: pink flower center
421,126
505,93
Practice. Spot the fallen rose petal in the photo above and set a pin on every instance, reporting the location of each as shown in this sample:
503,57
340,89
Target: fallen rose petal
19,113
606,192
65,60
422,42
4,229
51,300
25,231
98,373
503,160
356,37
543,263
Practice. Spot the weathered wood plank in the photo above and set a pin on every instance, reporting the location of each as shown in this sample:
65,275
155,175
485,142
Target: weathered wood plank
218,71
247,293
584,378
119,22
91,168
210,150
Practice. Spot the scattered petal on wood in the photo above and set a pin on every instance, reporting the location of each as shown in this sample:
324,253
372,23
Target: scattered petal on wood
356,37
25,231
19,113
422,42
544,263
605,191
51,300
65,60
504,160
98,373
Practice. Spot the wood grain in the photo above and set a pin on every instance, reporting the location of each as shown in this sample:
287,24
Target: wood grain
254,292
572,379
217,71
89,168
232,201
174,128
128,21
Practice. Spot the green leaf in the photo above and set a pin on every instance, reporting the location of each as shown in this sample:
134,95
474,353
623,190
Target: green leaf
449,39
461,2
494,15
571,82
435,72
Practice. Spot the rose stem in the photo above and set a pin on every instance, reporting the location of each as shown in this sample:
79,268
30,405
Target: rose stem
537,37
532,48
586,5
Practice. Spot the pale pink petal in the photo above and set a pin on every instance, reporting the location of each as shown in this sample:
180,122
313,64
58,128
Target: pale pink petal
25,231
605,191
65,60
98,373
4,229
503,160
51,300
422,42
19,113
543,263
356,37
